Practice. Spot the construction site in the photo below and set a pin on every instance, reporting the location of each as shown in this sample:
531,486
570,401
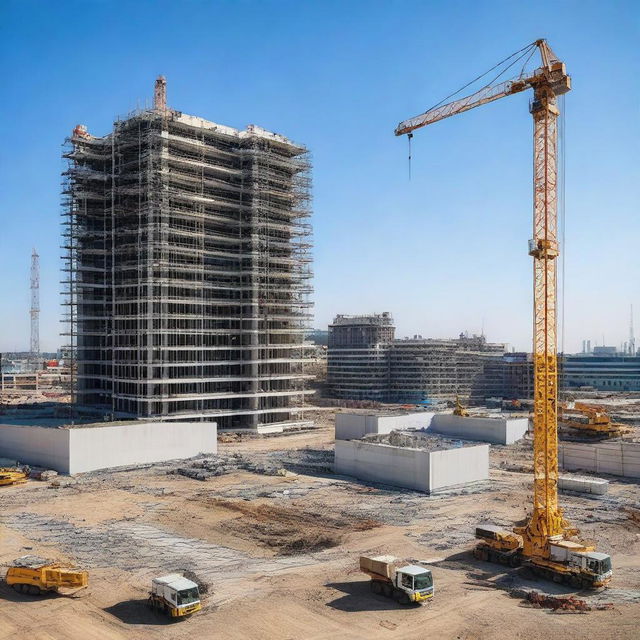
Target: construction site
189,473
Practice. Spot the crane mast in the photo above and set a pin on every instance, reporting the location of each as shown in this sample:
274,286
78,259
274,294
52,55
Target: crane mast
548,82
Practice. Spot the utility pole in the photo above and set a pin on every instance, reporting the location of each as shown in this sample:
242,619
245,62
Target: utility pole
35,306
632,340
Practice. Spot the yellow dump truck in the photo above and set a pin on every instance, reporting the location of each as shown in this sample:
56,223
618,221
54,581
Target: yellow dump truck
175,595
35,575
406,584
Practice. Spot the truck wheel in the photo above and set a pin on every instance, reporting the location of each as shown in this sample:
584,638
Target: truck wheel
575,581
16,587
387,590
404,599
514,560
376,587
35,590
24,588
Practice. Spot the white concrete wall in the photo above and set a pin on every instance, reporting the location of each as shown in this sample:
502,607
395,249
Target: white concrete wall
615,458
412,468
353,426
583,485
89,448
41,446
494,430
462,465
383,463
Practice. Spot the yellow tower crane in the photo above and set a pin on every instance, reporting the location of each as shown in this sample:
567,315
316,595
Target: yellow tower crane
543,543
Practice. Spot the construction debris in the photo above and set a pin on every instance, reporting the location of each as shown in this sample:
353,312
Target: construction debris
569,604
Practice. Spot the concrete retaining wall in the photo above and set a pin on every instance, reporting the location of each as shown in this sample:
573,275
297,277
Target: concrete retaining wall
583,485
494,430
353,426
412,468
615,458
41,446
90,448
462,465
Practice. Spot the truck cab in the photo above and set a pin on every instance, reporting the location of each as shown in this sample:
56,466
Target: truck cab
175,595
596,565
415,581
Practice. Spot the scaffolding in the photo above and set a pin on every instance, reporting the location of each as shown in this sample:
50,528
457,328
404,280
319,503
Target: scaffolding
366,362
188,269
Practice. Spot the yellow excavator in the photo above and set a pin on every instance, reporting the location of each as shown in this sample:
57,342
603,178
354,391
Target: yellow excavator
460,409
545,543
592,420
13,475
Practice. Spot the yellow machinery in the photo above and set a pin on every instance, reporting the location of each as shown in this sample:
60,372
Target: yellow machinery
460,410
13,475
545,545
34,575
592,420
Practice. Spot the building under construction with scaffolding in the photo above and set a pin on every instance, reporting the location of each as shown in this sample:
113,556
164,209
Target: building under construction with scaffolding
366,362
188,269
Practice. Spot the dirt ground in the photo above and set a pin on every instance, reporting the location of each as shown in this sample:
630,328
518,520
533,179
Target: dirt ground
277,549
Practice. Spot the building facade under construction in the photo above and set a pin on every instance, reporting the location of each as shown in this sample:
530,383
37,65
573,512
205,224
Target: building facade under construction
366,362
188,269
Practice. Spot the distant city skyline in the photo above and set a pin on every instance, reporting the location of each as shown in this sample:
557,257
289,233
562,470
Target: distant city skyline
445,251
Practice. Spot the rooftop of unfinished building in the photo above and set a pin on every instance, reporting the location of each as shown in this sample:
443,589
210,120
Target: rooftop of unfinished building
419,440
378,319
160,109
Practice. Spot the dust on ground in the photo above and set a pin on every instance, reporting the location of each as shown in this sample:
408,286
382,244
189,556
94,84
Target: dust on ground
274,537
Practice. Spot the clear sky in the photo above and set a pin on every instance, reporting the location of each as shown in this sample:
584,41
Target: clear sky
444,252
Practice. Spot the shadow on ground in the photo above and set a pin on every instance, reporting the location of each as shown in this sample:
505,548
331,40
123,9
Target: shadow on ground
138,612
358,597
10,595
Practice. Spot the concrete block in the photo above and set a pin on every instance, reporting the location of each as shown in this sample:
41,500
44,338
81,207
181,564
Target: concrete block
353,426
581,484
87,448
494,430
615,458
416,469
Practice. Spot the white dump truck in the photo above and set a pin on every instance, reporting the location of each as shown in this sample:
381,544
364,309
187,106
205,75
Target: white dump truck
175,595
406,584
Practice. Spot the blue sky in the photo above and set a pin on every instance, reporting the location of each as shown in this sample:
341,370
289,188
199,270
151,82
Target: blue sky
444,252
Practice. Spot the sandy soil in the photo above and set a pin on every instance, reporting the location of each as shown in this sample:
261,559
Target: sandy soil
279,553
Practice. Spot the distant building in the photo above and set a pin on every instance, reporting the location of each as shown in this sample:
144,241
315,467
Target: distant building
358,356
366,362
427,370
604,372
319,337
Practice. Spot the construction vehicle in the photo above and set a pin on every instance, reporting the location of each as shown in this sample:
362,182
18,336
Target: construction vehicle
175,595
13,475
570,562
406,584
460,409
591,420
546,545
35,575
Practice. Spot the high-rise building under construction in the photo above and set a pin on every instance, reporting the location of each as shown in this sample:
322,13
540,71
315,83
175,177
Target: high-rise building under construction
188,269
